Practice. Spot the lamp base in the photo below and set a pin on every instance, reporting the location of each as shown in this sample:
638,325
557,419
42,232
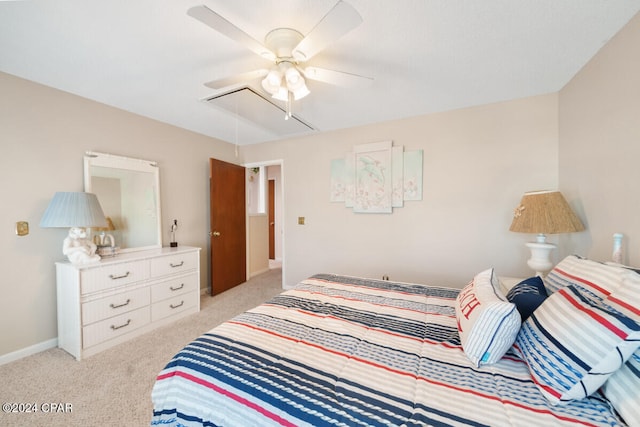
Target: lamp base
540,261
78,249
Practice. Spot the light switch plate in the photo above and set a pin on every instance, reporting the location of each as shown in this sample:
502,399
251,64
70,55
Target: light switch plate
300,220
22,228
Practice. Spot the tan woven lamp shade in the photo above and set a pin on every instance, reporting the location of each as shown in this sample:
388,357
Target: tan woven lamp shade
543,212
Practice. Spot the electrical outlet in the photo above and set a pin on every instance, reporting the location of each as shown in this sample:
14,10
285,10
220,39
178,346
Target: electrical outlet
385,277
300,220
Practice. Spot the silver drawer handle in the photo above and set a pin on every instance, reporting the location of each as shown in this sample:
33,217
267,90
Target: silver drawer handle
176,265
178,288
113,327
120,305
176,306
112,277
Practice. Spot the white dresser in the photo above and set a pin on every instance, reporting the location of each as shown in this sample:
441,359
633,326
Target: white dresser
104,304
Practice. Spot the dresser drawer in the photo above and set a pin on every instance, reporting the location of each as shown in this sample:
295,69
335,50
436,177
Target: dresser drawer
173,305
115,326
176,286
110,276
172,264
113,305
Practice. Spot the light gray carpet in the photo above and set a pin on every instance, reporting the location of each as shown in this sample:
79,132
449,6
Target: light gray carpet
113,388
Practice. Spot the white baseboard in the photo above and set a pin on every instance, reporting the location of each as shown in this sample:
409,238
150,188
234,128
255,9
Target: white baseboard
28,351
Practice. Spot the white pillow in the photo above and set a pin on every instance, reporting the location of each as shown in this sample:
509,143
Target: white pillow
487,323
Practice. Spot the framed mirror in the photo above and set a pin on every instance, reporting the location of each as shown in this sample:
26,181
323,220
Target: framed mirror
129,193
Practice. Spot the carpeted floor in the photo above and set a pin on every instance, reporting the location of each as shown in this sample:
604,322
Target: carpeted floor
113,388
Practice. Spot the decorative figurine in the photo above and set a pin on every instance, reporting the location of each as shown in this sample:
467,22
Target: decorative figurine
79,249
174,227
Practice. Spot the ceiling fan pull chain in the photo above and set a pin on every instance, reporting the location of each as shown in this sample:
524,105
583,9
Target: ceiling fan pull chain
287,115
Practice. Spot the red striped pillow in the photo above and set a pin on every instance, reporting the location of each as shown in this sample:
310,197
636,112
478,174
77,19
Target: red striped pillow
575,341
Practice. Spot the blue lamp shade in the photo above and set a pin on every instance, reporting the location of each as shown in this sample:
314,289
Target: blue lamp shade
73,209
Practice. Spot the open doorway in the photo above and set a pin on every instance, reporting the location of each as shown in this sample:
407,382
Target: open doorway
265,213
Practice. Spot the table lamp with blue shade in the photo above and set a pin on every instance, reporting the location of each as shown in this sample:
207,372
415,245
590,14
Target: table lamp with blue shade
76,210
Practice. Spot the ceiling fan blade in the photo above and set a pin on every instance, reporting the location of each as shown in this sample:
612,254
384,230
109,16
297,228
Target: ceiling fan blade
238,78
338,78
212,19
336,23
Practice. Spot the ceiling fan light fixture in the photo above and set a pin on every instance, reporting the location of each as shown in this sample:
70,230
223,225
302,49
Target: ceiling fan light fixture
274,77
282,94
293,78
271,83
295,83
286,81
301,92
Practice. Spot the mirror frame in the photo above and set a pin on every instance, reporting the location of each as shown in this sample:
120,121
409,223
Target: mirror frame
104,160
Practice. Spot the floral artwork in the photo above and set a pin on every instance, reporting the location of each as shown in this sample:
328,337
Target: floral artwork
338,180
373,178
342,180
397,173
412,169
377,177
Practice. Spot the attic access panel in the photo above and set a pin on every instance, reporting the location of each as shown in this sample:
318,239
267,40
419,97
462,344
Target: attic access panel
254,107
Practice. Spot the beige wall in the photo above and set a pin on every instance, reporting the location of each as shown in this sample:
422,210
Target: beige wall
600,146
477,164
43,136
258,227
274,173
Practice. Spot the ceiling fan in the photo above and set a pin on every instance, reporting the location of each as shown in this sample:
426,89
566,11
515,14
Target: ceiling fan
288,49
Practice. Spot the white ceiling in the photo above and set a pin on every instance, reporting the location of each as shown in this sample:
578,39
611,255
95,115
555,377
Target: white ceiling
149,57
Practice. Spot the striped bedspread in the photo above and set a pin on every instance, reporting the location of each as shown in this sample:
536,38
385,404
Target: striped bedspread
344,351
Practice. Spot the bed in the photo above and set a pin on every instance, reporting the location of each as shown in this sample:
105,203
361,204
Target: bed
348,351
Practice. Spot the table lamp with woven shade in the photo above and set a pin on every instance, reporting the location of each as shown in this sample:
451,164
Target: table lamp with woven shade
542,213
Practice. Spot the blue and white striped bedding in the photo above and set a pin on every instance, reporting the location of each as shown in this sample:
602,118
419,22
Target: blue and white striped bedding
344,351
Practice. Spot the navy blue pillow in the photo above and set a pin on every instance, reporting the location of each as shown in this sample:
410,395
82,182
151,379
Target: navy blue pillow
527,296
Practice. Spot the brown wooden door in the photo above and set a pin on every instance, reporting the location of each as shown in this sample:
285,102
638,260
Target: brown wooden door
272,219
228,232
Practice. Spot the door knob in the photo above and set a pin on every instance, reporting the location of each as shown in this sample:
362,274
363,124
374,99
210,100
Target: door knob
214,233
